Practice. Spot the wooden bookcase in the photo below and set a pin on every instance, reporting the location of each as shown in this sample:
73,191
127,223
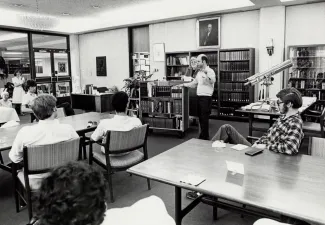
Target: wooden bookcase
235,65
164,107
308,75
232,67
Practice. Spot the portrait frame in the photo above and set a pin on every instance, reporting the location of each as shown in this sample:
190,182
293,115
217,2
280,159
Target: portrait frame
62,67
203,39
101,70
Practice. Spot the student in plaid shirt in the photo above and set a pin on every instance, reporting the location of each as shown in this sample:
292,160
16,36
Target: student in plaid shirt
286,133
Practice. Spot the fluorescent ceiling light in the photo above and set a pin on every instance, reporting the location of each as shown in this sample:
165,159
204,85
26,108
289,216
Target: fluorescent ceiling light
12,36
13,53
287,0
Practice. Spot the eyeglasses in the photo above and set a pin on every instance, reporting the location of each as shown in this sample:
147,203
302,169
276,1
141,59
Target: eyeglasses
278,102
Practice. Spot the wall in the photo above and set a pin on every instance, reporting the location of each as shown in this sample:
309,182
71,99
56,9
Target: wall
75,63
238,30
114,45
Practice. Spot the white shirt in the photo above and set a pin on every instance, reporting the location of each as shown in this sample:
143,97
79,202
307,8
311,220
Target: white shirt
203,82
117,123
43,133
27,99
148,211
4,103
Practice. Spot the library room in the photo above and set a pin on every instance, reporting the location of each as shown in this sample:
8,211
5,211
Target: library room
163,112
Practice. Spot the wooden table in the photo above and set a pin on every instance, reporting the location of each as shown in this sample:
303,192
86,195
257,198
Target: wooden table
96,103
78,122
292,186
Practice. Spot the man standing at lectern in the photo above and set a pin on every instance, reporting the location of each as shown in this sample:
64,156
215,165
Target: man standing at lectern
204,82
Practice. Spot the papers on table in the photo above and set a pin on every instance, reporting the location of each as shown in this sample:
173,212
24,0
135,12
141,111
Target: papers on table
235,167
192,179
239,147
218,144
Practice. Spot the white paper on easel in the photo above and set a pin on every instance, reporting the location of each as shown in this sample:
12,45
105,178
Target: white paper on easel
235,167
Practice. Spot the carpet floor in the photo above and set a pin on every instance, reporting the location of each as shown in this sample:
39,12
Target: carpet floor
129,189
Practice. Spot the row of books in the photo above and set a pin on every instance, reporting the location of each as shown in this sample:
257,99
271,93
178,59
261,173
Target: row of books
240,55
167,91
313,74
234,66
176,71
172,123
319,95
174,107
212,58
307,84
305,52
235,97
309,62
177,60
234,87
233,76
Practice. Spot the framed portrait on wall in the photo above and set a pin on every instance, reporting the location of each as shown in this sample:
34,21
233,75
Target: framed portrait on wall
62,67
101,66
208,32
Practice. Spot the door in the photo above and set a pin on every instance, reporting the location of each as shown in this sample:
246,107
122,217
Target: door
52,73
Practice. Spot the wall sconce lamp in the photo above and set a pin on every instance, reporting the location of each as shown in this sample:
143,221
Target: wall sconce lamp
270,47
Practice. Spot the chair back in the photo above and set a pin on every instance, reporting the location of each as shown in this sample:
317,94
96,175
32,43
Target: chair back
126,141
60,112
42,158
322,124
316,146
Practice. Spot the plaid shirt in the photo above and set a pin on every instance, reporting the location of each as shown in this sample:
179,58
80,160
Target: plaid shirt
284,136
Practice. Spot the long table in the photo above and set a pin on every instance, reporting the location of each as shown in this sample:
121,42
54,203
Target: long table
292,186
78,122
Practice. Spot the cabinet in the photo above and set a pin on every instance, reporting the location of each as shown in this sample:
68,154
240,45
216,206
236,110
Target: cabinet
308,75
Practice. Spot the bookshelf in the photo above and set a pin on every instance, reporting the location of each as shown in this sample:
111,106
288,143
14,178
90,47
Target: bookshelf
164,107
177,64
308,74
232,67
235,65
141,62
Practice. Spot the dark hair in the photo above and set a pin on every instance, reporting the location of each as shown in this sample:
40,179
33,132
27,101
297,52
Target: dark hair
290,95
204,58
73,194
119,101
30,83
17,71
43,106
4,68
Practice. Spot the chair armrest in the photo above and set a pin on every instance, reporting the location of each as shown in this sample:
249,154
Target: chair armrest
252,139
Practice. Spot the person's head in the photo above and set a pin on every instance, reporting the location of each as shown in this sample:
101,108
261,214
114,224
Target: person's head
17,73
209,27
31,86
120,101
73,194
44,107
289,99
202,61
5,95
193,62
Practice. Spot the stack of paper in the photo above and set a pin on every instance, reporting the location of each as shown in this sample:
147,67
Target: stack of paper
239,147
218,144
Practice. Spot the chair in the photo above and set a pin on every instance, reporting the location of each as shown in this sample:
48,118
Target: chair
60,112
121,142
316,146
315,128
40,160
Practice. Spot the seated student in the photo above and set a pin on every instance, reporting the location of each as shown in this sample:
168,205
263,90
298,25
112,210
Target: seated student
75,193
28,97
47,131
286,133
4,102
120,122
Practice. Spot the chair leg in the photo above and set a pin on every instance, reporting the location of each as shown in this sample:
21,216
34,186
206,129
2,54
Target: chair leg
149,185
90,154
242,215
84,148
110,186
29,206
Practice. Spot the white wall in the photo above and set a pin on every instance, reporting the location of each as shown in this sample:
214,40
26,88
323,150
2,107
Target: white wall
238,30
305,24
272,26
75,63
112,44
